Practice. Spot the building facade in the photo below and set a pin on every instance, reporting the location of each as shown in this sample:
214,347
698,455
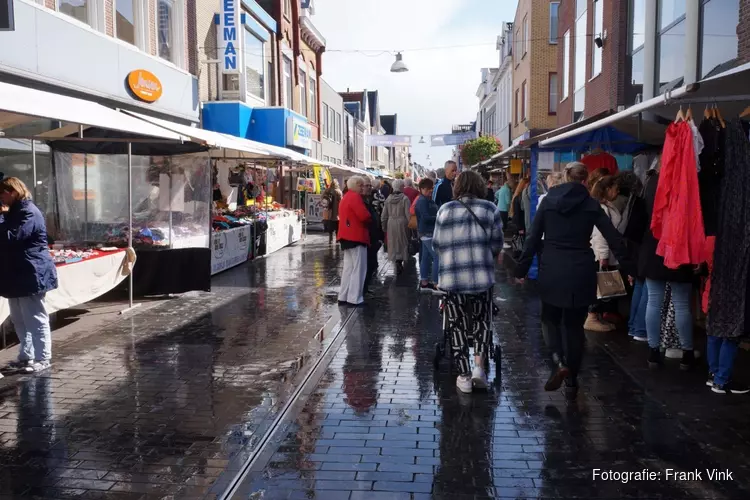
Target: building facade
332,126
487,95
615,54
503,82
267,56
356,105
365,106
103,50
534,85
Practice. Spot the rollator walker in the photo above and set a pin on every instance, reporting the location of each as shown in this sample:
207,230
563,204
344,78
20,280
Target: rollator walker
443,347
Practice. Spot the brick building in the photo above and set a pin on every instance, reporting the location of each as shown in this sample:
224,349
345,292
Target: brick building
273,93
615,53
534,67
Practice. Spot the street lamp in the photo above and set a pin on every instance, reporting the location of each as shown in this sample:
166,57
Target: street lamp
399,66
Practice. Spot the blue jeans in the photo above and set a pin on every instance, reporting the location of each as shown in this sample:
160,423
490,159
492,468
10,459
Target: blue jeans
637,320
721,355
428,261
683,318
31,322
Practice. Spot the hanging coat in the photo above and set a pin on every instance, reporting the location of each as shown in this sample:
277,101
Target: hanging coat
677,220
727,308
396,226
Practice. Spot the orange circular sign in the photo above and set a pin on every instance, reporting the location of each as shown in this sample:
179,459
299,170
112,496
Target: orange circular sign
144,85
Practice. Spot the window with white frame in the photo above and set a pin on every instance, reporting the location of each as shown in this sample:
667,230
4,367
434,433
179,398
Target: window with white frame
313,100
554,19
288,86
166,29
324,121
338,127
596,66
303,93
579,74
254,65
77,9
288,8
125,20
524,101
566,65
332,124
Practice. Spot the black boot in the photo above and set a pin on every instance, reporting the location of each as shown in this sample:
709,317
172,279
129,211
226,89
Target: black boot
399,266
688,360
559,373
654,358
571,388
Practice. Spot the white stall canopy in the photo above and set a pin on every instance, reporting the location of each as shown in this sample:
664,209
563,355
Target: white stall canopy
22,105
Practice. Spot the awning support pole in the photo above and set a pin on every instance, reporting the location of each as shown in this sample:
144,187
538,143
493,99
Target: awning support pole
131,306
33,168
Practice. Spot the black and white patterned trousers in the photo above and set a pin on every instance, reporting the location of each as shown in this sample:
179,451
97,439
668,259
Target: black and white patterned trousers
468,316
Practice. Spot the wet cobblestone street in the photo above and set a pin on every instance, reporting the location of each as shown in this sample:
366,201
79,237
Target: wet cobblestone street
171,402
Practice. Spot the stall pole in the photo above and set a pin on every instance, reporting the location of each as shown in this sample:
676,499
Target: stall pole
533,271
33,168
170,207
85,198
131,306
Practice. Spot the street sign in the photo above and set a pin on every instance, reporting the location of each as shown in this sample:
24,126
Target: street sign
6,15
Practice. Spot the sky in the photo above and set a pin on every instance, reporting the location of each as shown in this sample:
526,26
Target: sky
440,88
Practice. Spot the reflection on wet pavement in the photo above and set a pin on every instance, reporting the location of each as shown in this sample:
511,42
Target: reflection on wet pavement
383,425
165,402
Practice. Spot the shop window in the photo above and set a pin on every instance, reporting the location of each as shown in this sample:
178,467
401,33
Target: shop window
303,93
579,73
670,47
254,65
718,36
288,86
553,99
670,11
554,9
125,20
596,52
566,65
78,9
166,31
313,100
637,24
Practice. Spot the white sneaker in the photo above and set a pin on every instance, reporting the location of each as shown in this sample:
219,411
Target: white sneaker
37,366
479,378
640,339
463,383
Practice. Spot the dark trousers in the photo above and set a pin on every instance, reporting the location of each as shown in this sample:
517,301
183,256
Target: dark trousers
372,264
504,218
567,346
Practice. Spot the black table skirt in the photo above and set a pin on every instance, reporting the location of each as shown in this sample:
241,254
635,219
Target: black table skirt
161,272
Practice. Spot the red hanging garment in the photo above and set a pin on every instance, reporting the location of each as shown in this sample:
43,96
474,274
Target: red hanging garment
677,220
600,160
709,257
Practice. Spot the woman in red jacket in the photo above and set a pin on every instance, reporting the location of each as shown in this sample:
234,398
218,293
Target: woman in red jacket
354,236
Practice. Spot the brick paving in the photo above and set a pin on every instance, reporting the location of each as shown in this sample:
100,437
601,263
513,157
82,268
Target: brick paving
165,401
383,425
170,402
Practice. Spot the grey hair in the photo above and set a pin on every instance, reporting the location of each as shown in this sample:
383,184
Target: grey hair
431,175
398,185
554,179
354,182
440,173
408,182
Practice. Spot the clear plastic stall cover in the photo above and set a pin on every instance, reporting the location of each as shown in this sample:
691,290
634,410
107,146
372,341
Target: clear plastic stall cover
171,200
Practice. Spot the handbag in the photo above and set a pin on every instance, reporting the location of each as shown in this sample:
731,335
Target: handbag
609,284
413,222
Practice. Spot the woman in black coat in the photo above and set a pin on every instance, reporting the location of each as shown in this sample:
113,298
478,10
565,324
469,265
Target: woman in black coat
567,271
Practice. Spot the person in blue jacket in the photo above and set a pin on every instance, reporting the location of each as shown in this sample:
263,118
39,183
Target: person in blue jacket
426,211
28,273
443,192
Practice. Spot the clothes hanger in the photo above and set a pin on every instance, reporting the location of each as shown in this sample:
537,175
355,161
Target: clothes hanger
745,113
707,113
717,115
680,116
689,114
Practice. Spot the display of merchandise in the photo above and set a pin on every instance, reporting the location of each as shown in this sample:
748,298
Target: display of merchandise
63,256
